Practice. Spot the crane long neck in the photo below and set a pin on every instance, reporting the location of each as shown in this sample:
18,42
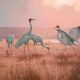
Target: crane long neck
30,30
57,34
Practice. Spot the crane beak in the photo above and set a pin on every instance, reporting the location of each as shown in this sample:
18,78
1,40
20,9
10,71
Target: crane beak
33,19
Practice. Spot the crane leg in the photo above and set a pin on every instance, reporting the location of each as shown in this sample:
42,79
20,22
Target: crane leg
34,48
69,50
11,49
78,47
64,49
74,51
6,52
24,49
28,49
29,52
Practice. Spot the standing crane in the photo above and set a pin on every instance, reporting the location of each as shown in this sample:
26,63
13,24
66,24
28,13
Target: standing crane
9,40
75,33
24,40
37,39
65,38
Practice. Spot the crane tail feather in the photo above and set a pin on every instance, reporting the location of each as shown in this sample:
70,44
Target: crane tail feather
46,47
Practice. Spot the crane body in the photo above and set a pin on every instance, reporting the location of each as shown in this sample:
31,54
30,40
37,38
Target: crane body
10,40
75,33
24,40
65,38
37,39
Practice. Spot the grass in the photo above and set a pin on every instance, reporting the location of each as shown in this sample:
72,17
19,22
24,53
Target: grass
43,68
39,65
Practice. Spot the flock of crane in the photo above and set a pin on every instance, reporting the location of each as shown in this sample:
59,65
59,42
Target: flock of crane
66,38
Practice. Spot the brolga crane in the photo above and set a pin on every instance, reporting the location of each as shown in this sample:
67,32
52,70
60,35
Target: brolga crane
24,40
37,39
75,33
65,38
9,40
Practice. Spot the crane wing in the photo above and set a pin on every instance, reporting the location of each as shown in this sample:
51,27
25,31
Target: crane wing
62,38
22,40
67,36
75,33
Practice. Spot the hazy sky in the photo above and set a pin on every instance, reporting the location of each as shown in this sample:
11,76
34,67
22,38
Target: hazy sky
48,13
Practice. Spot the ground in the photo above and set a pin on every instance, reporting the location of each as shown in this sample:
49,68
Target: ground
55,64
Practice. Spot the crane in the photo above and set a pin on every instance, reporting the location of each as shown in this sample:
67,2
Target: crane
24,40
75,33
65,38
9,40
37,39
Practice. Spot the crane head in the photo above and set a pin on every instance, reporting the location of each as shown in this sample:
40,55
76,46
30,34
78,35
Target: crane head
30,19
57,27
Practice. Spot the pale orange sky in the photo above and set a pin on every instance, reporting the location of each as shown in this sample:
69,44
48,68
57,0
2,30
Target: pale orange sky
48,13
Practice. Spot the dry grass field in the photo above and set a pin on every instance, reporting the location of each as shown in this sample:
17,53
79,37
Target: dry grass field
55,64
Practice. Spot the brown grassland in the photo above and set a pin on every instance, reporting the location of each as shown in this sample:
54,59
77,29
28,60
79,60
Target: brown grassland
55,64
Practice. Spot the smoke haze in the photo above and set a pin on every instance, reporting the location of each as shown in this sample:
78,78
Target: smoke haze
48,13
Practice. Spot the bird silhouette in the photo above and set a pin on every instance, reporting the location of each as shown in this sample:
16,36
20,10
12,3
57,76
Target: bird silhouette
65,38
24,40
37,39
9,40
